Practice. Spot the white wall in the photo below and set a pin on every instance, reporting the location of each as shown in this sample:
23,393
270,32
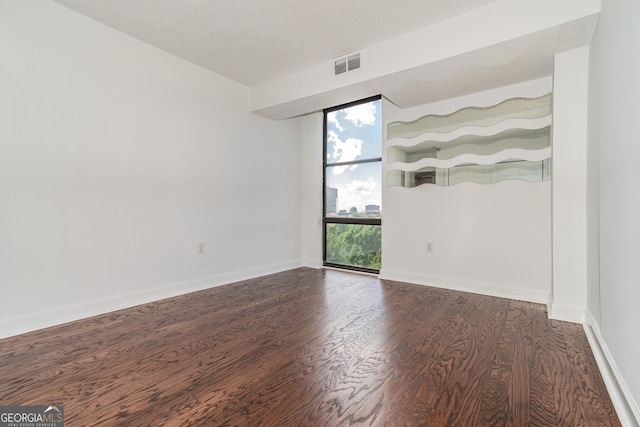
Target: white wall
569,145
491,239
311,189
613,102
116,160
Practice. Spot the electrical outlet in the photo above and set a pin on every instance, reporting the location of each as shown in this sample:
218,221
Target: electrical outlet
200,248
429,247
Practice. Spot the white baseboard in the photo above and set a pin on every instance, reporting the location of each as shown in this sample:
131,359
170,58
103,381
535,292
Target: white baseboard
626,407
312,263
484,288
566,313
44,319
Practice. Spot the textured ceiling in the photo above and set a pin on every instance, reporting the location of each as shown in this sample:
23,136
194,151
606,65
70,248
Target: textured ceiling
514,61
254,41
258,41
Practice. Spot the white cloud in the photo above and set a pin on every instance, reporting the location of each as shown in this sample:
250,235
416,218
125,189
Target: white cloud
332,117
337,170
358,193
362,114
364,188
344,151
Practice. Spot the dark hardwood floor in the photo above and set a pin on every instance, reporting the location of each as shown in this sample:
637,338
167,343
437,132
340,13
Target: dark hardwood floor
313,348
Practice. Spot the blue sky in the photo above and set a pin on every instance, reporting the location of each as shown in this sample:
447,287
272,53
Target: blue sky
355,133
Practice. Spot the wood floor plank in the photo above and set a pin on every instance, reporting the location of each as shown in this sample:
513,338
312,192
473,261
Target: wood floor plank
602,411
569,411
471,361
311,347
585,379
496,406
543,408
520,387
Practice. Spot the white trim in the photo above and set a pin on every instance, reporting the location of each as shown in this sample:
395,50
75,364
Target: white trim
483,288
625,406
73,312
566,313
346,270
312,263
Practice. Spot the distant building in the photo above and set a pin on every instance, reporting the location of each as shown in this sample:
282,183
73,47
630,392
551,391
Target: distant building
372,209
353,210
331,202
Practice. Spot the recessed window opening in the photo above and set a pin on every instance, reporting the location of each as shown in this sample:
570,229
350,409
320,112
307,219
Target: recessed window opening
352,208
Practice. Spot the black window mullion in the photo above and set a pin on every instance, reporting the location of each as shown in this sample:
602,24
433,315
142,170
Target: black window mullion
353,162
343,220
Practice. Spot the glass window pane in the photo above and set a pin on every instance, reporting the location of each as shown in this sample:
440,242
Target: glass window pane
354,190
354,133
354,245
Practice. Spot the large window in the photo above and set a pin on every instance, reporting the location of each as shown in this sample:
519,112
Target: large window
352,185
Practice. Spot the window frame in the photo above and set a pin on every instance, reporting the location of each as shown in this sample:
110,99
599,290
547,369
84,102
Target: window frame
343,220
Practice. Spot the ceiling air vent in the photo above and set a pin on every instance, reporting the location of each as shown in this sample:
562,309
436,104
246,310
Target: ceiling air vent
340,65
347,63
353,61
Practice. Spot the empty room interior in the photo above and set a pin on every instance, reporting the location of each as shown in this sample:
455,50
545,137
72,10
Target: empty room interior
413,212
